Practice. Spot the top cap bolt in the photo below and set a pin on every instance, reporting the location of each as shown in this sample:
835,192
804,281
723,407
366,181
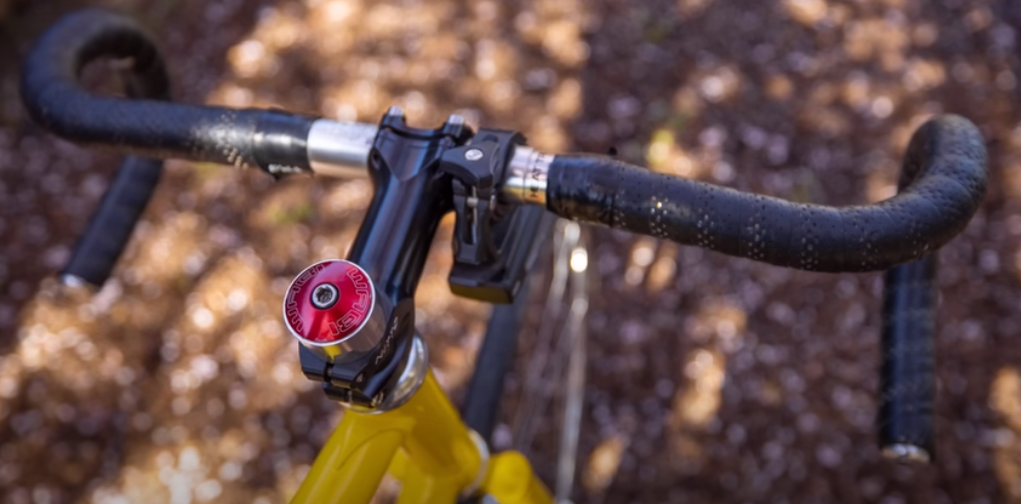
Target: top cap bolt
325,295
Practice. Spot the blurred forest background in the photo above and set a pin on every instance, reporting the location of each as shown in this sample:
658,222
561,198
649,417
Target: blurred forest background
710,379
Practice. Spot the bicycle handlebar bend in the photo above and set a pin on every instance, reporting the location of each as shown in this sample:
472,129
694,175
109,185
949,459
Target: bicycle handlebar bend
945,167
151,127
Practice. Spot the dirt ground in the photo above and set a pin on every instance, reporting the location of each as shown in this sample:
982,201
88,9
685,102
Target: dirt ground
710,379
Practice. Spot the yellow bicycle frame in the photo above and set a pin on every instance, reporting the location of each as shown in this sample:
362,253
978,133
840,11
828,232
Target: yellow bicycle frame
424,445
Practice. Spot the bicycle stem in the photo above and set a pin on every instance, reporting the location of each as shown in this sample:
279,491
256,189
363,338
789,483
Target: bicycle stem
408,202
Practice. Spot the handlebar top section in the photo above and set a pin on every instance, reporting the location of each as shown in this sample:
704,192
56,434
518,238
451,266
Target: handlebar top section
152,127
943,180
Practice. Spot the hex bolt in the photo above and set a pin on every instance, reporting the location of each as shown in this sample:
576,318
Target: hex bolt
325,295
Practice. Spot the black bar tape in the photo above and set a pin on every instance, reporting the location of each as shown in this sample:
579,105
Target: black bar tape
108,232
907,382
945,164
56,101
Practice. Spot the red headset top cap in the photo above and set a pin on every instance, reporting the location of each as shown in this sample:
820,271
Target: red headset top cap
329,302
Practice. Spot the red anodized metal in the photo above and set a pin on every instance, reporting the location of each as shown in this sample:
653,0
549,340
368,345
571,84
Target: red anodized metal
342,320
